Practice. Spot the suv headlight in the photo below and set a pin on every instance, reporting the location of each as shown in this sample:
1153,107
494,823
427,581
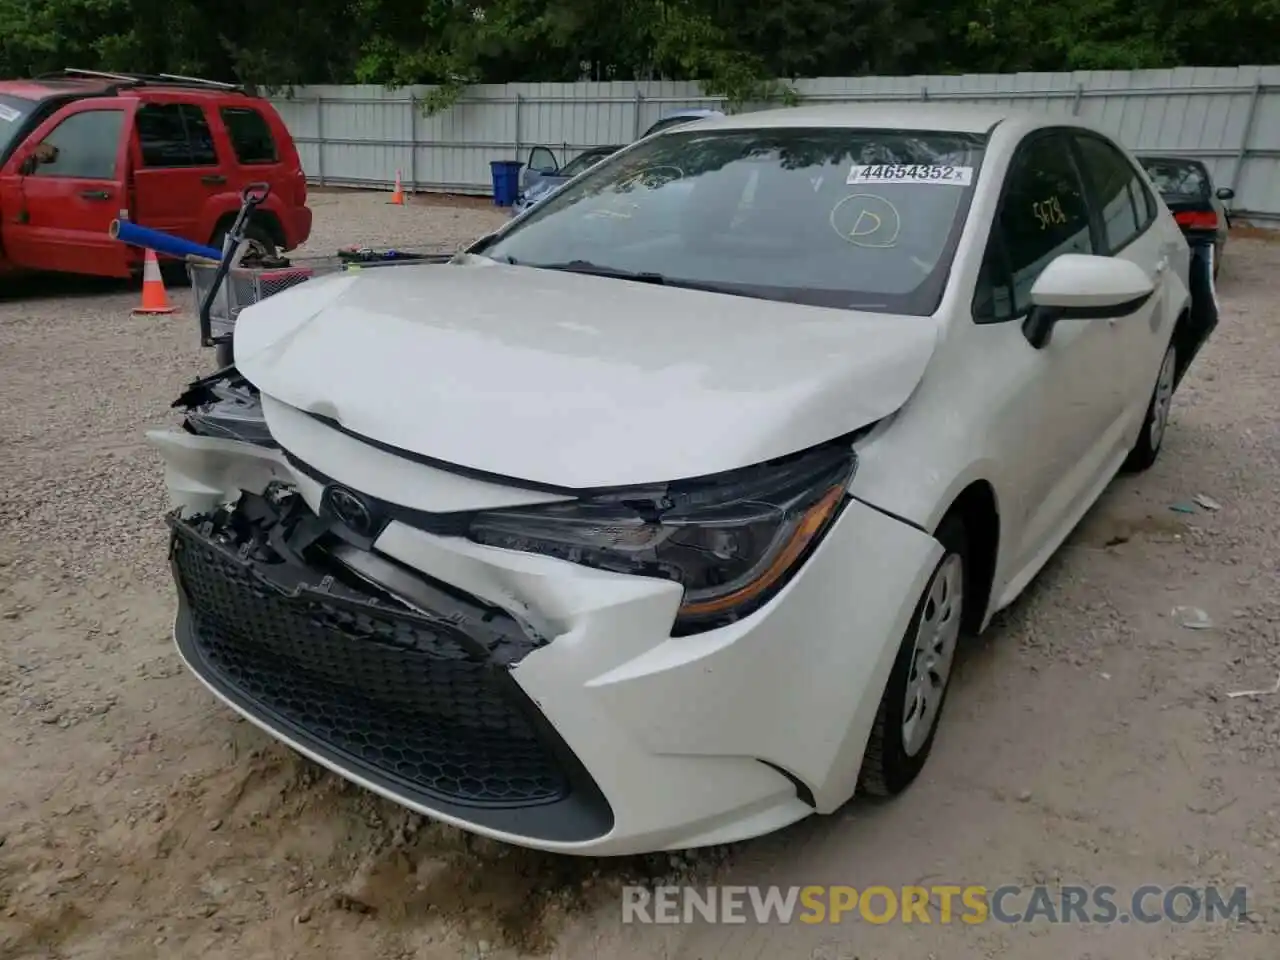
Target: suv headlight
731,540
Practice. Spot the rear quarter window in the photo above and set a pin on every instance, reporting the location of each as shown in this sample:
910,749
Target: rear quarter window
250,135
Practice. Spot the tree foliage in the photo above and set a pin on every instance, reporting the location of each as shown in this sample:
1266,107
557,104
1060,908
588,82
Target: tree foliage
743,49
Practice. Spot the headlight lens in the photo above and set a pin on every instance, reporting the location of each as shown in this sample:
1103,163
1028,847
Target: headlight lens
732,540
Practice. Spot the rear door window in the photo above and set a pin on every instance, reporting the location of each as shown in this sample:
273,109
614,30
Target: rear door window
203,151
1118,192
85,146
250,135
174,135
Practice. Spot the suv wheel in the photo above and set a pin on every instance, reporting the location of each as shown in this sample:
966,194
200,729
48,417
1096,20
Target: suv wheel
255,232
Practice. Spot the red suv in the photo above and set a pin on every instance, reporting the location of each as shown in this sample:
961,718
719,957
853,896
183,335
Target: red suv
80,148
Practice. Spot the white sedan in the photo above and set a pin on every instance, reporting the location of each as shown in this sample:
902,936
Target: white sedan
649,524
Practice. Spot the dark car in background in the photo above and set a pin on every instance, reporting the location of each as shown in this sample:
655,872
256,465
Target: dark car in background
1198,207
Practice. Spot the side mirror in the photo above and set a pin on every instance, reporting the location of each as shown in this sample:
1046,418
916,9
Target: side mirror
543,161
1226,193
1077,286
28,165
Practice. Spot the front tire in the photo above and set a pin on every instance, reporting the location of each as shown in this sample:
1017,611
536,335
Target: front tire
911,706
1154,425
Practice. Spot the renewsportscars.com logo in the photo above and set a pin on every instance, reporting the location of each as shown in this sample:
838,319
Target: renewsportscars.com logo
934,904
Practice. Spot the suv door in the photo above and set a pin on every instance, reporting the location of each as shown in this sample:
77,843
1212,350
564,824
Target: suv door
1057,415
1127,216
177,169
65,204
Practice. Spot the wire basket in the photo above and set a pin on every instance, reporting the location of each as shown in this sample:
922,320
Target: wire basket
245,286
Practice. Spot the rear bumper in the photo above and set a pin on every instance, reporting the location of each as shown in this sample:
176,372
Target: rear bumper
1204,312
298,228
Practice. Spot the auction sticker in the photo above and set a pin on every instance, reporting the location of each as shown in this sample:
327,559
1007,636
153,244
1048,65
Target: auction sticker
909,173
8,114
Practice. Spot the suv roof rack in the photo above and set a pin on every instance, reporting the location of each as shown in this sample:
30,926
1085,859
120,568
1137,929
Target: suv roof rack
143,79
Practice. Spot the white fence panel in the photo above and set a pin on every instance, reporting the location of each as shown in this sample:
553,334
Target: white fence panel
362,136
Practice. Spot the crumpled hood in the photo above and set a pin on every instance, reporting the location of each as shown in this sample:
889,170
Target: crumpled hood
572,380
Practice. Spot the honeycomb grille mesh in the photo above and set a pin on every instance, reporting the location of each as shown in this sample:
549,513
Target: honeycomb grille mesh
383,687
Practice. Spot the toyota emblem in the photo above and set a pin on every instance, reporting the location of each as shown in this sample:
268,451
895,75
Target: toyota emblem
350,510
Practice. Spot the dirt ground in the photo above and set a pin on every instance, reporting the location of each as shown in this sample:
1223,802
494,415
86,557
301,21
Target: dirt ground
1089,738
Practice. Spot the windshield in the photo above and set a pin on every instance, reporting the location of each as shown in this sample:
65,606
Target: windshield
1178,178
585,160
849,218
13,111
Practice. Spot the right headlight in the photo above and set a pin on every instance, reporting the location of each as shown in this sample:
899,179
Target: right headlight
731,540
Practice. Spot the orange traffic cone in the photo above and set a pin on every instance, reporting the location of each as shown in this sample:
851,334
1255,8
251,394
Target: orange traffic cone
397,195
154,299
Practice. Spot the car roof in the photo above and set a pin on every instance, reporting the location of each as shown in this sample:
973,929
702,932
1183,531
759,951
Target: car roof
946,117
45,88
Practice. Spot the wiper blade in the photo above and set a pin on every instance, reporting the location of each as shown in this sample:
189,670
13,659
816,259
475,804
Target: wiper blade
598,270
644,276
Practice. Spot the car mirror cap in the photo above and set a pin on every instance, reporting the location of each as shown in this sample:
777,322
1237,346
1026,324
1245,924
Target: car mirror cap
1077,286
1074,283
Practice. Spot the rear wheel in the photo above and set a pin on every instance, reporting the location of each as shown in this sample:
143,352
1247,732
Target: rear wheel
1147,448
911,705
255,232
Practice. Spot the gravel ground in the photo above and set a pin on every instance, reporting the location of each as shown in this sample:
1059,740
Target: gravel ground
1090,738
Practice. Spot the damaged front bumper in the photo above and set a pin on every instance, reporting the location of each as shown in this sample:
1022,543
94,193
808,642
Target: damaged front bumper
522,697
410,692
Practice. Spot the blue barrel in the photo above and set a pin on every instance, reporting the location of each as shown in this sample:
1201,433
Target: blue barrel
506,181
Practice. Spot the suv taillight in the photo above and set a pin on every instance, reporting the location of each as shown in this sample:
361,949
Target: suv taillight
1197,219
301,189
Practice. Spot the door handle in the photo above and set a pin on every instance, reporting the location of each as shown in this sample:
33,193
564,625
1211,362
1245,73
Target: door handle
1162,265
96,194
213,179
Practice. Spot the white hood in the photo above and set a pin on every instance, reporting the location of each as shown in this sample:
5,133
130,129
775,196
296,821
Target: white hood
573,380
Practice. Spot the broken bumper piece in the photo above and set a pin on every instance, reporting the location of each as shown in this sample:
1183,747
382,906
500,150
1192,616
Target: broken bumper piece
414,700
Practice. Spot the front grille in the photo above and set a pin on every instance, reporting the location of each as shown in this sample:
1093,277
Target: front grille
409,701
